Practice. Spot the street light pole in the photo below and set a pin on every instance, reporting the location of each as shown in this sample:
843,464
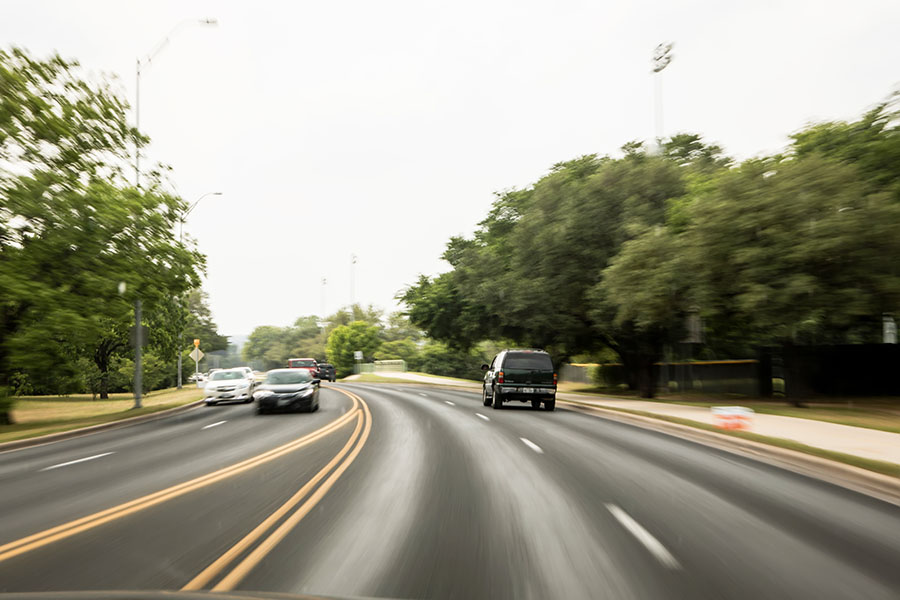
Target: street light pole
139,64
138,372
181,241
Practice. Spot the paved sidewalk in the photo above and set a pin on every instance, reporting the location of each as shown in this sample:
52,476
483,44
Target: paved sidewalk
857,441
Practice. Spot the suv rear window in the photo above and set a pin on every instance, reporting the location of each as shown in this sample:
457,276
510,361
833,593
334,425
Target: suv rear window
528,360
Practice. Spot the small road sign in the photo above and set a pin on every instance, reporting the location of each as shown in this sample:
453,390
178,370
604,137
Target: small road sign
358,355
196,354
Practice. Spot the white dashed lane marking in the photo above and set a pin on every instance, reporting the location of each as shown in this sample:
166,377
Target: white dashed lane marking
213,424
482,416
80,460
643,536
532,445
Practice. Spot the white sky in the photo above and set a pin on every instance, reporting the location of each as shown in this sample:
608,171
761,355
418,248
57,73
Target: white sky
383,128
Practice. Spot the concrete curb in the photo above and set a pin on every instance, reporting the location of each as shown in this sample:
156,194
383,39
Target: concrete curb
863,481
870,483
73,433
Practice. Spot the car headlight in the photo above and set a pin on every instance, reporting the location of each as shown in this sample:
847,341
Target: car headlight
243,386
262,394
306,393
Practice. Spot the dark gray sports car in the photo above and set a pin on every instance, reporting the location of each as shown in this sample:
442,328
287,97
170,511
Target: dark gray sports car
287,390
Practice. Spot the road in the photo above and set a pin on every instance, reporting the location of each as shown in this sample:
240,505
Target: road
406,491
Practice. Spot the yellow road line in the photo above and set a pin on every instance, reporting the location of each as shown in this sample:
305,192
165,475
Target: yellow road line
223,561
230,581
60,532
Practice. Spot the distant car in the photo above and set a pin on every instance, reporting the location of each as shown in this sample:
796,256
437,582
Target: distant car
325,372
248,371
287,390
308,364
229,385
523,375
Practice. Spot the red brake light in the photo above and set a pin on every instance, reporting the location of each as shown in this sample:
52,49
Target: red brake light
500,377
554,379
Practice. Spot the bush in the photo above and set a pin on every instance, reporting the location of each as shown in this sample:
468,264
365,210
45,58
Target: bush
438,359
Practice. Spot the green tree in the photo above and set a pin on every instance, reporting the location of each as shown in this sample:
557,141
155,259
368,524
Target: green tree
268,345
71,230
796,250
347,339
404,349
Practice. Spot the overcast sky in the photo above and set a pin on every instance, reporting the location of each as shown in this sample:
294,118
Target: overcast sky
383,128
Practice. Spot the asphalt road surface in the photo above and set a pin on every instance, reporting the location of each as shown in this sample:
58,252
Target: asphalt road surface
405,491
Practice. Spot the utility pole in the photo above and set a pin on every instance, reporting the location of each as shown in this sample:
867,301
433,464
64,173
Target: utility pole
324,283
662,56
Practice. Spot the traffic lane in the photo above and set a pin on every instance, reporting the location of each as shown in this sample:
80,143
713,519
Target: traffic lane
768,531
430,510
161,454
164,545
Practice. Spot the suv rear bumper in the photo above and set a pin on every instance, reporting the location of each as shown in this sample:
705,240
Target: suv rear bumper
518,392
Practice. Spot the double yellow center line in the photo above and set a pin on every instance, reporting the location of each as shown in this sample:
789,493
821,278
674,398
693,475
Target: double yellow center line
336,466
359,413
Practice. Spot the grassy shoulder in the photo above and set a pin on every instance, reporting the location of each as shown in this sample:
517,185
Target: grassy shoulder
870,413
885,468
42,415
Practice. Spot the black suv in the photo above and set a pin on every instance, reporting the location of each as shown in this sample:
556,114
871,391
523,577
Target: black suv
325,371
523,375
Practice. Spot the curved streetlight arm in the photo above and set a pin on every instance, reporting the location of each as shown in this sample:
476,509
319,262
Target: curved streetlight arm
165,41
188,211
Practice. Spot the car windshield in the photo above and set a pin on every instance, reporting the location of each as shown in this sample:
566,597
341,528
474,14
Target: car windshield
303,363
226,375
528,360
283,377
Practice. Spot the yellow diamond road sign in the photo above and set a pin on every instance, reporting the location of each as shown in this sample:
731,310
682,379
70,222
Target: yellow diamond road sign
196,354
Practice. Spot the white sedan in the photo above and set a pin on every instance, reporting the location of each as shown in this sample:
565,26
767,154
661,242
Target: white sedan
229,385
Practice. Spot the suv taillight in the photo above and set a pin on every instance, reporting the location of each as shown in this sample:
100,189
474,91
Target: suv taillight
500,377
554,379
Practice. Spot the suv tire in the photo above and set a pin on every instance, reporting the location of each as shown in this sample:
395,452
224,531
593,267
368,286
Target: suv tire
535,404
496,400
549,404
485,399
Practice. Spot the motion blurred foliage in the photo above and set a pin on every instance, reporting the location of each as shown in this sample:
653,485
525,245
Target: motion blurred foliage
616,252
345,340
270,347
72,230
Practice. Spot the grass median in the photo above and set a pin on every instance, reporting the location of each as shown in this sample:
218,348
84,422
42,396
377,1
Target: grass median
41,415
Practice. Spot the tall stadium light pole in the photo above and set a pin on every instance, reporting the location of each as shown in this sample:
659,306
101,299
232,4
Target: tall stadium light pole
140,65
662,56
352,277
181,241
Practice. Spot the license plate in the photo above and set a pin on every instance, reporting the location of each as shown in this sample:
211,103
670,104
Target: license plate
284,401
527,390
226,396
